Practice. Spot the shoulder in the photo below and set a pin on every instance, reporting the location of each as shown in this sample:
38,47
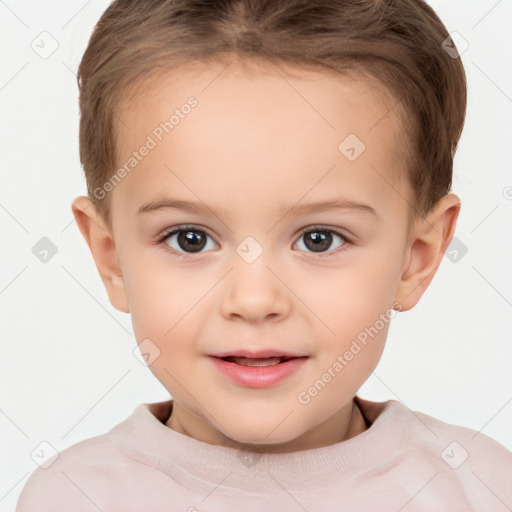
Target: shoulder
428,434
456,444
463,462
74,479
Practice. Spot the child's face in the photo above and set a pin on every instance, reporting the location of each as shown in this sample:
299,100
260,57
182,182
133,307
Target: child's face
253,147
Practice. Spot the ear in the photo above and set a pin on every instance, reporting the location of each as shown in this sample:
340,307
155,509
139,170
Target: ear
428,241
100,240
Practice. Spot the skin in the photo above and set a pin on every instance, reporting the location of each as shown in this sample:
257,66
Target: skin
262,138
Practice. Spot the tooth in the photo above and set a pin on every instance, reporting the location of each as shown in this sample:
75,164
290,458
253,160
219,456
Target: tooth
248,361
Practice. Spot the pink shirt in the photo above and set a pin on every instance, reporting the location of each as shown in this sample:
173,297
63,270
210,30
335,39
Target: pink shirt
406,461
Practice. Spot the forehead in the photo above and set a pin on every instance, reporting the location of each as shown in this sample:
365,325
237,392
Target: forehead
259,128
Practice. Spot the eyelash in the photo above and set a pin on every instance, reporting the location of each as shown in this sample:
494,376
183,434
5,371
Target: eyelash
177,229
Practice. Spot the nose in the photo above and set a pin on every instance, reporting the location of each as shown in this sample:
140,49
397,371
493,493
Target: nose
253,293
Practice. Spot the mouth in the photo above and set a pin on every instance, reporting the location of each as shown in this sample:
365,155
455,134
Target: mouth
262,357
249,361
258,372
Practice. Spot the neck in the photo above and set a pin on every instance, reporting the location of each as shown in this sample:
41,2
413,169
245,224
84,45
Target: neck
346,423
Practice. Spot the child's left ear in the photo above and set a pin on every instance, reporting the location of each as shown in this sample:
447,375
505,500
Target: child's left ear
428,242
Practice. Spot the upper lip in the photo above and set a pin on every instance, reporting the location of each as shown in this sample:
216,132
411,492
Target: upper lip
256,354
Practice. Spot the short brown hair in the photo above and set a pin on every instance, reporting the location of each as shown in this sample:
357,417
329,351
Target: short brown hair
397,42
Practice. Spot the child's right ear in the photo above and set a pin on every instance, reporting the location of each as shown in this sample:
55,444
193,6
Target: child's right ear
100,240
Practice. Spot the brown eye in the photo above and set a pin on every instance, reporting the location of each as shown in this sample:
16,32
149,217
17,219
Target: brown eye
187,240
321,239
191,241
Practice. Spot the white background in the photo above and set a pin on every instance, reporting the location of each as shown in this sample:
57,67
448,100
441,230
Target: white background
67,368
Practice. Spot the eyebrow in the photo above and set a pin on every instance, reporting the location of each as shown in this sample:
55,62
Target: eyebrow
193,207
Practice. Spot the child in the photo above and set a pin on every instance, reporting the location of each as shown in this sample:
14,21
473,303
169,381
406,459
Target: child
268,184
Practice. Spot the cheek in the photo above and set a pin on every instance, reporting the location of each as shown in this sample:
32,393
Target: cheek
355,306
350,298
166,308
359,312
164,300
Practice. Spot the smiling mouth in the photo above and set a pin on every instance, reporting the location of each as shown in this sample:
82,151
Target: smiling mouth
264,371
252,361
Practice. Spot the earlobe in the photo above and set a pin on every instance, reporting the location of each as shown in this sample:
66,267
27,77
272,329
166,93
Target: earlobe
100,240
429,240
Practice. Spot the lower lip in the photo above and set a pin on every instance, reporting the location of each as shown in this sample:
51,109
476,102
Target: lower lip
258,376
